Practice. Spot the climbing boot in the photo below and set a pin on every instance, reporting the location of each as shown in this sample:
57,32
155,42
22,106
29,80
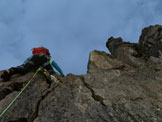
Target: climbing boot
6,75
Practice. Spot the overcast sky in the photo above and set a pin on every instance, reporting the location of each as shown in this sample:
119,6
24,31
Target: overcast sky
70,29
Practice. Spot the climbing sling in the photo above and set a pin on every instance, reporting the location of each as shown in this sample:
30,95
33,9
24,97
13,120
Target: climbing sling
18,95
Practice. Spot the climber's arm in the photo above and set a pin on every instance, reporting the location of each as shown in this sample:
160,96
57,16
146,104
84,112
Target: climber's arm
54,64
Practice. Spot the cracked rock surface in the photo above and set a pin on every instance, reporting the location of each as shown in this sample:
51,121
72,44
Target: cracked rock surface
113,90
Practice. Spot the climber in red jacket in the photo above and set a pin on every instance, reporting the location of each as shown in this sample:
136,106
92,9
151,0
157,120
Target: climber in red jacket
41,57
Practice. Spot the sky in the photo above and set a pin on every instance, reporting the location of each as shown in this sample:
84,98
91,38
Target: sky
70,29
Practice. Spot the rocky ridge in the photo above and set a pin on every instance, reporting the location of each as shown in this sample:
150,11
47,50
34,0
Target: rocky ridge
124,86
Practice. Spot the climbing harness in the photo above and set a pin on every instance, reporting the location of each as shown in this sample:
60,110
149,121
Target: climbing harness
18,95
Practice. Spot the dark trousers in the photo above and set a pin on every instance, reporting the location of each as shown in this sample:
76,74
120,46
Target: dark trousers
33,63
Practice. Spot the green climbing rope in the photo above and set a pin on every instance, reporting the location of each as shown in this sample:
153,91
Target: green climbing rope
18,95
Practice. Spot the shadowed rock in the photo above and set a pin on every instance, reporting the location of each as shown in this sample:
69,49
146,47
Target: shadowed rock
151,41
136,54
126,52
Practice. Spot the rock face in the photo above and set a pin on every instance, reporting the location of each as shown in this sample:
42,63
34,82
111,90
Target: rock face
136,54
125,86
151,40
126,52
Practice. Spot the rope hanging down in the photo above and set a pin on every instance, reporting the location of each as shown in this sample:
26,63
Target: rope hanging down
18,95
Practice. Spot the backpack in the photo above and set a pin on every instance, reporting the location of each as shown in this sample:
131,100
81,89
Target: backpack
39,50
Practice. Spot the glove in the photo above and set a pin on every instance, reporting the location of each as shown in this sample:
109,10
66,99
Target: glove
53,78
62,75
